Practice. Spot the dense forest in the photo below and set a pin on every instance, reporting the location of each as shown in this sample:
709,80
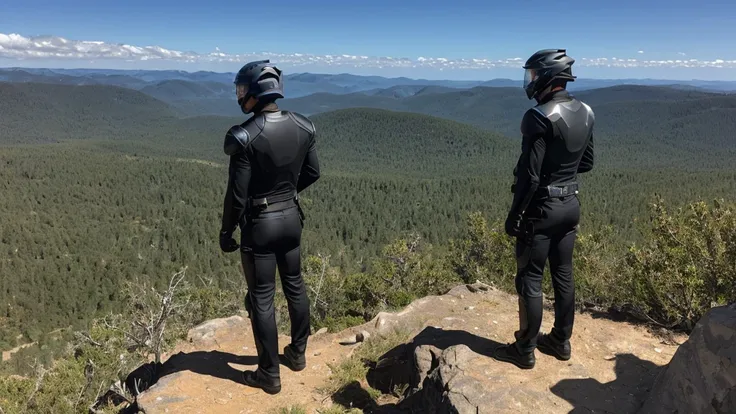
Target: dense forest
634,122
127,189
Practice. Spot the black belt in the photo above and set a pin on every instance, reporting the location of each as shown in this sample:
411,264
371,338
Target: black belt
553,191
273,203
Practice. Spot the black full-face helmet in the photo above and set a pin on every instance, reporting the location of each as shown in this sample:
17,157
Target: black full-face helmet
545,66
260,80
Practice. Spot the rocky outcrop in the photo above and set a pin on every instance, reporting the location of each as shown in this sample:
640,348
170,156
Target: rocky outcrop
701,378
442,385
446,366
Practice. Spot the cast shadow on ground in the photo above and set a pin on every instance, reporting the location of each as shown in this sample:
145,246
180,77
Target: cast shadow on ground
634,379
393,373
212,363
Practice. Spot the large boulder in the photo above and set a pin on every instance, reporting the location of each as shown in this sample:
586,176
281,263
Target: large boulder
701,378
441,385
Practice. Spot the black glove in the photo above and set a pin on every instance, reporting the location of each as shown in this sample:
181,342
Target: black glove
227,242
513,225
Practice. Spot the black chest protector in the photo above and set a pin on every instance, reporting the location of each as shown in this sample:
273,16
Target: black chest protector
275,145
570,128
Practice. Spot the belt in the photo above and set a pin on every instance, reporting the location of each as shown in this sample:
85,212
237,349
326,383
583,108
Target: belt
553,191
275,203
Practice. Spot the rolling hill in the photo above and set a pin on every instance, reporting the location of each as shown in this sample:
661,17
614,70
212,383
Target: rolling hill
33,112
630,119
378,141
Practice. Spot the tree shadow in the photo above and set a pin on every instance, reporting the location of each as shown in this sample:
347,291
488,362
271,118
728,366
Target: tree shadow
393,372
634,379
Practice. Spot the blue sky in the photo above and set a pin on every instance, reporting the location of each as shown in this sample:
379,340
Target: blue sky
647,38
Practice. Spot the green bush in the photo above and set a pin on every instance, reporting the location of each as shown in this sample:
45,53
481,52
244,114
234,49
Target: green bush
407,269
687,264
114,346
484,253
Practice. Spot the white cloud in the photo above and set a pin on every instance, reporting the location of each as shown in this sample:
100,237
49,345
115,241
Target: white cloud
641,52
681,53
18,47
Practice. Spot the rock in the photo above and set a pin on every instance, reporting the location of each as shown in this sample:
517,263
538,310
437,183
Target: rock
477,287
701,377
357,338
351,340
362,336
321,331
441,385
204,334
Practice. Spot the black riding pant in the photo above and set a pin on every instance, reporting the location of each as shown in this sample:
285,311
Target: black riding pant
271,240
554,229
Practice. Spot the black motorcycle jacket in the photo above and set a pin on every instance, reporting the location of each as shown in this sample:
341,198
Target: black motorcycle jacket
272,157
557,144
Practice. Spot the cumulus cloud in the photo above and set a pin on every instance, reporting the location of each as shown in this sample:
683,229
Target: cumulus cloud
18,47
641,52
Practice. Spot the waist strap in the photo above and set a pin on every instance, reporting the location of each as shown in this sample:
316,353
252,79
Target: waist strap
552,191
274,203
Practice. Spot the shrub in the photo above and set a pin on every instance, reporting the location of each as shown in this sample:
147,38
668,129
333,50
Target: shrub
686,265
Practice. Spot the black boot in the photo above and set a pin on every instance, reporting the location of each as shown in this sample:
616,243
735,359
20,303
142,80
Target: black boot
295,360
257,380
547,344
510,353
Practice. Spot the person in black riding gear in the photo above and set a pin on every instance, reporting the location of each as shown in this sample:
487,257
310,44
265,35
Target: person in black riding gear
272,158
557,145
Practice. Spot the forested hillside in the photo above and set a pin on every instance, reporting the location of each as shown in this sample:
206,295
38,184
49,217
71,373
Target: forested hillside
633,113
34,112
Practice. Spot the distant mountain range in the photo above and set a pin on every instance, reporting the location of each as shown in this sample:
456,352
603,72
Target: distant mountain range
639,118
302,84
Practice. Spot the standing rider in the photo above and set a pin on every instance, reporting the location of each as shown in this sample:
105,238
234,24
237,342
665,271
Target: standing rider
272,158
557,144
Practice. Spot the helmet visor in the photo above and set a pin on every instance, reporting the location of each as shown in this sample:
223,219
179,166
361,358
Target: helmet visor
530,75
241,90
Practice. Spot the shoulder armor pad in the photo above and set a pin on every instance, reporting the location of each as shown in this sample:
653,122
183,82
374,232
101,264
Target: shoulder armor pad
591,114
568,110
236,139
303,122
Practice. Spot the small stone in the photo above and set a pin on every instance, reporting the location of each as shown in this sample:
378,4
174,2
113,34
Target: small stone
610,357
469,307
362,336
658,350
322,331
